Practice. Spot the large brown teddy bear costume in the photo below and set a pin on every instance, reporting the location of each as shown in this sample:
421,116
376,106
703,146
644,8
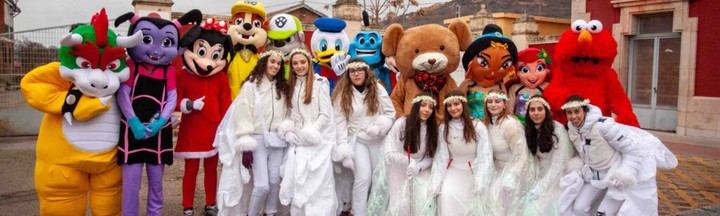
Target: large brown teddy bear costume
425,56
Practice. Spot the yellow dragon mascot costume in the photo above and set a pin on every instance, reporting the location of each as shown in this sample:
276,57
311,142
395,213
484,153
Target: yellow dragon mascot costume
75,159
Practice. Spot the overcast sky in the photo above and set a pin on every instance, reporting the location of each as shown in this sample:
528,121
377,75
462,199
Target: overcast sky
44,13
47,13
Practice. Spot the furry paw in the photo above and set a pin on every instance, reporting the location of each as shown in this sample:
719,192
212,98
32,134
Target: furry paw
245,143
310,135
285,126
380,127
348,163
342,152
622,178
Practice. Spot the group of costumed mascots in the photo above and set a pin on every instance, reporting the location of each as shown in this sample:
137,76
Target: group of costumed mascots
108,105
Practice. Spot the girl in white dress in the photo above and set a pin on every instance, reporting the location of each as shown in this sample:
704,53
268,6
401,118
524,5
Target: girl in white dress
514,166
363,114
308,185
462,168
549,144
251,125
400,184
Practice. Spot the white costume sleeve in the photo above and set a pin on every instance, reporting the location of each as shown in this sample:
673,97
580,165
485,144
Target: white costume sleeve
394,152
440,163
243,118
385,117
520,165
233,174
560,158
311,130
342,149
628,147
483,165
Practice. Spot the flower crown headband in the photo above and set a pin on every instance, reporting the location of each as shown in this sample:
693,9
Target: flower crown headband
575,104
271,53
537,99
492,95
454,98
421,98
299,50
357,65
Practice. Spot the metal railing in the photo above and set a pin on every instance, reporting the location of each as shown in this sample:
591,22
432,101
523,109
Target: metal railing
22,51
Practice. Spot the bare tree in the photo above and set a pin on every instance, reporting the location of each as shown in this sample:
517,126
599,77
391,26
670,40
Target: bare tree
380,10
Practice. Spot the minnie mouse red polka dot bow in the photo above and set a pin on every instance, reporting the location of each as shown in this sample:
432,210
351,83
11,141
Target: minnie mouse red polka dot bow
215,25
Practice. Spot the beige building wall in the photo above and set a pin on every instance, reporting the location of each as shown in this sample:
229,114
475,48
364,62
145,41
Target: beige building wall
161,7
547,26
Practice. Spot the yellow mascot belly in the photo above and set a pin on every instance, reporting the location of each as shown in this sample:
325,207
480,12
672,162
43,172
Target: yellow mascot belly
239,70
66,173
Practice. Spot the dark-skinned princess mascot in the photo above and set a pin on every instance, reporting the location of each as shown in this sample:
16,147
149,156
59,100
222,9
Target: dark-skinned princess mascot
329,45
488,61
76,146
582,65
203,96
247,31
367,45
147,100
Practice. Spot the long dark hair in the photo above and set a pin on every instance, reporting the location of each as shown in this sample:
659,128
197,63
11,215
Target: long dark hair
543,137
281,85
412,129
343,92
468,126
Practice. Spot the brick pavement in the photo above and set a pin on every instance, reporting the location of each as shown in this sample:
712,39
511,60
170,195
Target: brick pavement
695,183
693,188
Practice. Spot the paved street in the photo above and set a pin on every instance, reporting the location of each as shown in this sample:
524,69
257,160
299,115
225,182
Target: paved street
691,189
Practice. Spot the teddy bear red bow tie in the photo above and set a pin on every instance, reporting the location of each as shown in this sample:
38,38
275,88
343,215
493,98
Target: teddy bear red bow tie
215,25
429,82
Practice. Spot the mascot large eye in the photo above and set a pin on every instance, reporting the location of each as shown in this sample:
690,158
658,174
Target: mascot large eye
594,26
257,23
216,55
372,41
506,65
524,69
361,41
338,44
83,63
239,21
147,39
114,65
578,25
540,67
168,42
323,45
202,51
482,61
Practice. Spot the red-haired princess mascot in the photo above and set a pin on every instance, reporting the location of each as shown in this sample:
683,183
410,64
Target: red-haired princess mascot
76,146
582,65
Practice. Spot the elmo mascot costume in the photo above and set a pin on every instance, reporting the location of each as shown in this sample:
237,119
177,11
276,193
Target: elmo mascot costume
583,66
